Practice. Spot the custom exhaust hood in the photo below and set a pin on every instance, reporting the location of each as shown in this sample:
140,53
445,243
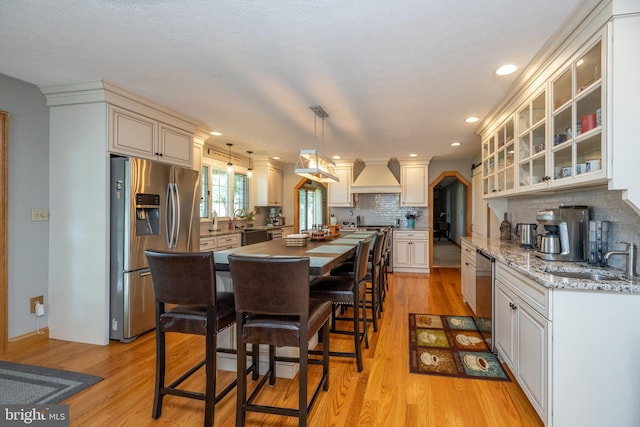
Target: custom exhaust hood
376,176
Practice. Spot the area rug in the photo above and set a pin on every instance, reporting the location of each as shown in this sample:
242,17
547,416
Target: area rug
451,346
26,384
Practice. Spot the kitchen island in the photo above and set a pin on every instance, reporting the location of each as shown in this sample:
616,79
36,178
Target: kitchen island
324,255
571,344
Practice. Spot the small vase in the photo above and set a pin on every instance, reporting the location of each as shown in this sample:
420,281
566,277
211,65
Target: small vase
411,222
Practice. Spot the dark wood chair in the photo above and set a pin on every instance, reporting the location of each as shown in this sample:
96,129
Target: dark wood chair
374,274
187,281
273,307
348,291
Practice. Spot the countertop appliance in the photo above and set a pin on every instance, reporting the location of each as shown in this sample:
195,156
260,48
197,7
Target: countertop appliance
153,206
566,236
485,297
526,234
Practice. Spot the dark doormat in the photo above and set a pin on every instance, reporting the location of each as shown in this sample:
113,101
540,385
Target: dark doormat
26,384
450,346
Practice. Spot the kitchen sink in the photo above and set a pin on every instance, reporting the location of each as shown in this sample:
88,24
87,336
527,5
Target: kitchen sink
585,275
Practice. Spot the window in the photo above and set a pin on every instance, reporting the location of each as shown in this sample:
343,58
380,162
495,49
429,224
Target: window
222,192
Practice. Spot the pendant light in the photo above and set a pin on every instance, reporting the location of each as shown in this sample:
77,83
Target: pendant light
311,164
249,169
229,164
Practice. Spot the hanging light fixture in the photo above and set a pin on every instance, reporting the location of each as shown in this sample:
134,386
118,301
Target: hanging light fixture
229,164
311,164
249,169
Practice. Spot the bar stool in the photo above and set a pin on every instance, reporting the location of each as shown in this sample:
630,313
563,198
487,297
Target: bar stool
273,307
348,290
188,280
374,270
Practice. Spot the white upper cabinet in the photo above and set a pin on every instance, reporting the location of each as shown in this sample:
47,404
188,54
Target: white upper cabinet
266,184
134,134
414,184
339,193
555,138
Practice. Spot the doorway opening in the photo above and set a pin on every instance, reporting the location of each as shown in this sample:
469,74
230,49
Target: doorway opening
450,218
310,201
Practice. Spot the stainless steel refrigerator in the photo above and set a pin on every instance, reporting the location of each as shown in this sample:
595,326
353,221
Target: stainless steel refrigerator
153,206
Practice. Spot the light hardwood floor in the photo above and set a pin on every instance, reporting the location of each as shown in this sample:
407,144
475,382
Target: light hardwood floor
383,394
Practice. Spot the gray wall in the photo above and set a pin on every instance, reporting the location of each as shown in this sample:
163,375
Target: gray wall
604,205
28,189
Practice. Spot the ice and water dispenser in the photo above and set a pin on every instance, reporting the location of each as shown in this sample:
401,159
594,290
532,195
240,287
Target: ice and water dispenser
147,214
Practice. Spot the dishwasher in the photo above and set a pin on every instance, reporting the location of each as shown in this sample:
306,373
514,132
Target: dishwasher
485,296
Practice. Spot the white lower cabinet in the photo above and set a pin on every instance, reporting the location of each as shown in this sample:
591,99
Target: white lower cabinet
523,336
410,251
219,243
468,275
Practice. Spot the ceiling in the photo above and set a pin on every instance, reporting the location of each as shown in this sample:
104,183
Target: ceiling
395,76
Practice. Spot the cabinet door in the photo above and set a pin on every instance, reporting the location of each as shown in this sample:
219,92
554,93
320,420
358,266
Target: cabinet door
340,192
414,186
274,186
479,215
419,253
401,253
175,146
468,281
532,350
132,134
505,324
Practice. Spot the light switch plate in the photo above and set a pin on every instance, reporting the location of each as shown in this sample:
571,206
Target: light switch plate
39,215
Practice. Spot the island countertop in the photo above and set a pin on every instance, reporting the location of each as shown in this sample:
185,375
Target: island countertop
524,260
324,255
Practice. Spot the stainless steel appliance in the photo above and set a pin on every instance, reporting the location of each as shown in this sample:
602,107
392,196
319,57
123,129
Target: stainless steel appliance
526,234
485,297
566,233
153,206
249,237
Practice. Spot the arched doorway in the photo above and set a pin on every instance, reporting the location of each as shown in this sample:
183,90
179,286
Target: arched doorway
313,195
449,219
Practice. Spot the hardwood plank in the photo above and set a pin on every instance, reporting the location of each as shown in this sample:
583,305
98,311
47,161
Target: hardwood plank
383,394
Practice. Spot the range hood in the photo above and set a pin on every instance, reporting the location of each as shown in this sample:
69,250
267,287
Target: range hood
376,176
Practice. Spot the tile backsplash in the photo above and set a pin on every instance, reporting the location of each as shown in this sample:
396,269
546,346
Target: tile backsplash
379,209
604,205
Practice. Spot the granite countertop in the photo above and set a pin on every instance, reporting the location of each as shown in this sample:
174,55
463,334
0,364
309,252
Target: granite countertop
525,261
225,231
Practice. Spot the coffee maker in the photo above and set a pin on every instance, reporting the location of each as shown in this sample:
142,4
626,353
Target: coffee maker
566,233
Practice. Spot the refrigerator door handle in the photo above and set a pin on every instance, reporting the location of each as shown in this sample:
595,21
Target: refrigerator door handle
167,218
177,217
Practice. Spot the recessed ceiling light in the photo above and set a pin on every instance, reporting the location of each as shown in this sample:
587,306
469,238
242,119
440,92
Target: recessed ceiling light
455,144
276,157
506,69
336,157
216,133
471,119
413,155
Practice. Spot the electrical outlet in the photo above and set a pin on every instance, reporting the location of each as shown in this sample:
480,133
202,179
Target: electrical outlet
33,301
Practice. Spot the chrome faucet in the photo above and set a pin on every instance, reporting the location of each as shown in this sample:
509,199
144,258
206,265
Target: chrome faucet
630,253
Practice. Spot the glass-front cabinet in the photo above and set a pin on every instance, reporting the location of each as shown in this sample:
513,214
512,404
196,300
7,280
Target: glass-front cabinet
555,138
498,160
532,146
578,143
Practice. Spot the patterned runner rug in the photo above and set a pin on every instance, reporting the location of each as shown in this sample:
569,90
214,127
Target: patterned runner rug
450,346
26,384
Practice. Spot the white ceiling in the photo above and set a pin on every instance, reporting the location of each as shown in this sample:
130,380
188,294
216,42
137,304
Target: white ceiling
395,76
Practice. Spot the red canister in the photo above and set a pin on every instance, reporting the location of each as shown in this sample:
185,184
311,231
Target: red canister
588,122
